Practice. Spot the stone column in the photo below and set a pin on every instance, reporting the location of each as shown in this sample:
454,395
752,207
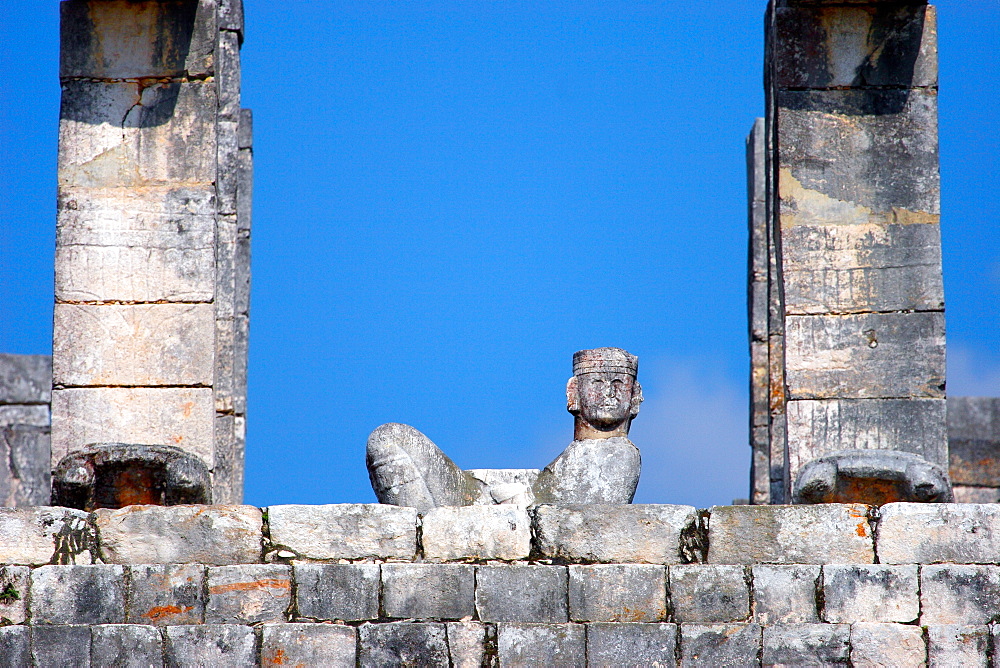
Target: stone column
854,214
152,255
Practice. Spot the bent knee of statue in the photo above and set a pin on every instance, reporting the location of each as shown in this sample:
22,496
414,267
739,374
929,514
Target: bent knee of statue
600,466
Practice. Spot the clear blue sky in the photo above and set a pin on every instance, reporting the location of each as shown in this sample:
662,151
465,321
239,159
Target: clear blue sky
452,198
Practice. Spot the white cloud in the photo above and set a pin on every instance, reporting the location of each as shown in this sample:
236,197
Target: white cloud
972,373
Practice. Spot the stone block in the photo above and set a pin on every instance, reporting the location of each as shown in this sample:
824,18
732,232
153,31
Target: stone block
244,191
242,277
25,473
30,415
347,592
476,533
228,165
228,75
631,644
162,39
92,594
806,645
60,646
820,534
180,416
15,646
959,594
926,533
857,156
652,534
870,593
248,594
25,379
45,535
865,267
428,591
709,594
139,344
106,140
333,645
466,644
967,494
216,645
402,644
887,645
865,356
13,594
245,135
965,646
974,441
126,645
213,535
142,245
785,594
345,531
541,644
720,645
165,594
517,593
821,427
617,593
877,44
231,16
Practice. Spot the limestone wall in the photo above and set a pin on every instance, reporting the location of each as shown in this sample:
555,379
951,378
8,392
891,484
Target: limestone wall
366,585
25,393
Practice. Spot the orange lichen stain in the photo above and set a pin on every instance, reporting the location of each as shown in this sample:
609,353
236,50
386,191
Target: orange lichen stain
188,407
176,439
277,658
266,583
163,611
855,511
862,529
630,615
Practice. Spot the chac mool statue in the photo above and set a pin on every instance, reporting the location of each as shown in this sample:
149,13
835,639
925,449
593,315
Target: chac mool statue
600,466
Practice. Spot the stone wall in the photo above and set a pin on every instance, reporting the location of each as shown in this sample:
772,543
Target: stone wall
353,585
25,393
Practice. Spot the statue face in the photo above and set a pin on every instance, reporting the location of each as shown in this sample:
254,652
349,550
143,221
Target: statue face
605,398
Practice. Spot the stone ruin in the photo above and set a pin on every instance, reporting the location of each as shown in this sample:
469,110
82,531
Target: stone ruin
849,552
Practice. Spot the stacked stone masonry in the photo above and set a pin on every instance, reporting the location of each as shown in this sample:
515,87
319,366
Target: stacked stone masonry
373,585
25,395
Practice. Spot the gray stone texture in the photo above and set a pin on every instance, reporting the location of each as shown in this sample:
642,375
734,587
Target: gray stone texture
926,533
631,644
428,591
476,533
345,531
823,534
138,344
402,644
25,451
897,645
718,645
332,645
870,593
63,646
709,594
865,356
25,379
974,441
179,416
24,415
541,645
466,644
522,593
784,594
617,593
652,534
806,645
248,594
959,594
13,594
348,592
15,646
44,535
591,470
165,594
965,646
93,594
212,535
126,646
216,645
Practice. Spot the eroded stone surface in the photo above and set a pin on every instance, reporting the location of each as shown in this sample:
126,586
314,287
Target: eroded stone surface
345,531
25,379
402,644
541,644
476,533
248,594
44,535
785,594
709,594
887,645
15,646
166,594
925,533
466,644
213,535
959,594
719,645
126,645
617,593
92,594
333,645
956,645
428,591
210,645
64,645
522,593
806,644
870,593
13,594
631,644
348,592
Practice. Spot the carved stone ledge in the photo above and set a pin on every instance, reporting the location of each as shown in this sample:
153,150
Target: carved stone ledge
875,477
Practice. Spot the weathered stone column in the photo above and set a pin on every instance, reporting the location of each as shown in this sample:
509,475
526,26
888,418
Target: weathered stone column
854,190
152,254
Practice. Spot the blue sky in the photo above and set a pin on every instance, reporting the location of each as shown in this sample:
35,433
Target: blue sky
452,198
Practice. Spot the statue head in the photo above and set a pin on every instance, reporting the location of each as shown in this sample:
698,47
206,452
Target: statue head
603,394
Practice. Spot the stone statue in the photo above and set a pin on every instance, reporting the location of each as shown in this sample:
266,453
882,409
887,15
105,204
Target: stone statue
600,466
